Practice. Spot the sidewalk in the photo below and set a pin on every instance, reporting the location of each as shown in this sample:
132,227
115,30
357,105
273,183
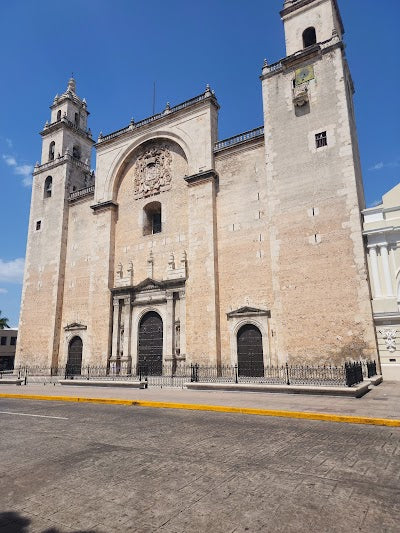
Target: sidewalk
382,401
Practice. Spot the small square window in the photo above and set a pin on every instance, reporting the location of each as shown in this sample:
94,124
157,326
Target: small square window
321,139
3,341
13,341
38,225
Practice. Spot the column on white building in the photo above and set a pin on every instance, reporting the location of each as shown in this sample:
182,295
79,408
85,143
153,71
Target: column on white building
376,284
386,269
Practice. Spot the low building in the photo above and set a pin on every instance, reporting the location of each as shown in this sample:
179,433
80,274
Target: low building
382,231
8,343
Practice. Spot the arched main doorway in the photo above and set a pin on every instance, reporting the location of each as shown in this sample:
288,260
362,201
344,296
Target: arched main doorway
150,344
74,363
250,351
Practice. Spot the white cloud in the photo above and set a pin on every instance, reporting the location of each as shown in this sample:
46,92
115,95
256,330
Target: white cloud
3,291
377,166
26,172
9,143
381,164
20,170
10,160
12,271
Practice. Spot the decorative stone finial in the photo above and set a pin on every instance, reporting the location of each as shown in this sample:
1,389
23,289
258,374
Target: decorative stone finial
150,264
71,85
265,63
207,92
36,164
100,136
46,124
183,257
171,261
119,271
167,108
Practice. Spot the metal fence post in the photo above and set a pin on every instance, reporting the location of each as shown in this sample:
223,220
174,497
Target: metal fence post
236,374
287,374
88,373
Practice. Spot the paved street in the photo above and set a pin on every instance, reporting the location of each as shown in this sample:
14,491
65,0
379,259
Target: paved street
102,468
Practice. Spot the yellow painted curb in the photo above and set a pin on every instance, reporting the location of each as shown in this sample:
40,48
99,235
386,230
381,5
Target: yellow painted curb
347,419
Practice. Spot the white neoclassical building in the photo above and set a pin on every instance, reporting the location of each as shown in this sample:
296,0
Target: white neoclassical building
382,231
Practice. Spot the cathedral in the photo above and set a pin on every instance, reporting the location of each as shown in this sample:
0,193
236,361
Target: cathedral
181,247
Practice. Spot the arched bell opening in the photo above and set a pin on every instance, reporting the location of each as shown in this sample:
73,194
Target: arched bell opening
309,37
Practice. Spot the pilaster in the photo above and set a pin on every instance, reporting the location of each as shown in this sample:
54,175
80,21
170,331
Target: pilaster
386,270
373,257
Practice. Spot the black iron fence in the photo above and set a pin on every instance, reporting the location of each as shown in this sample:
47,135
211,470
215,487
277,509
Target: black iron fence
176,374
348,374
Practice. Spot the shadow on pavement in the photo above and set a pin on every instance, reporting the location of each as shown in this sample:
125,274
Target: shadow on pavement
11,522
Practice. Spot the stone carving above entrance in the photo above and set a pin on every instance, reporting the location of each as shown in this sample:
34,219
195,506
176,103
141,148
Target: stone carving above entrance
74,326
248,311
152,170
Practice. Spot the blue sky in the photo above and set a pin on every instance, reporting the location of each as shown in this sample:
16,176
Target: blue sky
117,49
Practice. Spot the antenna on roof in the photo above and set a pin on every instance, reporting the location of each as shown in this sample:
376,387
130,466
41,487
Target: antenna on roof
154,98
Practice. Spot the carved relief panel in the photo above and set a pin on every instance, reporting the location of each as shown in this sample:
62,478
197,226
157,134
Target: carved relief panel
152,170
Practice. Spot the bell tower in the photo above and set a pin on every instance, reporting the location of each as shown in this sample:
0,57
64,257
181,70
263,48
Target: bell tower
64,168
307,22
315,193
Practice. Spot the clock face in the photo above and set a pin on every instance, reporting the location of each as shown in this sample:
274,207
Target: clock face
304,74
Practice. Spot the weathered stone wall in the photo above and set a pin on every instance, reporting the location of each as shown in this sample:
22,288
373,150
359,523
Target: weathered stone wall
44,269
243,241
321,292
131,245
79,256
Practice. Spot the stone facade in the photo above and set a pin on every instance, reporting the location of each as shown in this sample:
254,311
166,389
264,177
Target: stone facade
205,238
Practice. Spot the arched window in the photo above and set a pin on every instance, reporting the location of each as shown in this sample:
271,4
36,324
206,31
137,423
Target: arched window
77,119
152,218
52,150
59,115
309,37
250,351
76,151
48,186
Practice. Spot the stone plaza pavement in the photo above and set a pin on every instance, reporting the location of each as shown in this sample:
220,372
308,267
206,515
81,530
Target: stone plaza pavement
382,401
90,468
